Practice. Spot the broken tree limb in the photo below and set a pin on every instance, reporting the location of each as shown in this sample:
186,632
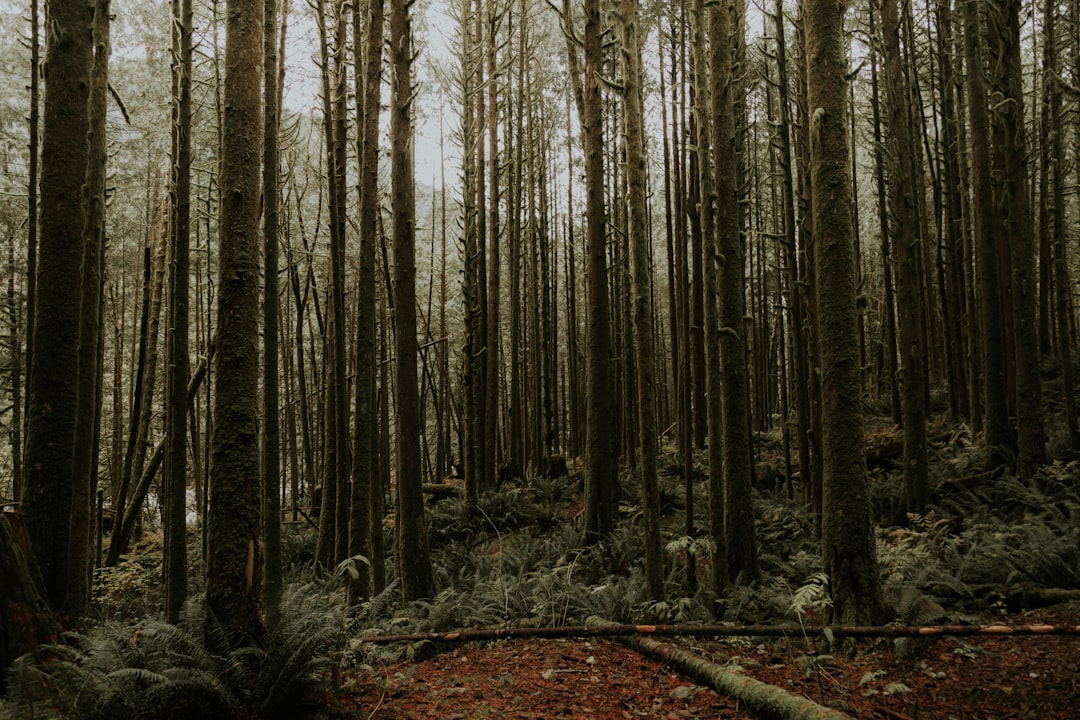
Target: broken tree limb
759,697
807,631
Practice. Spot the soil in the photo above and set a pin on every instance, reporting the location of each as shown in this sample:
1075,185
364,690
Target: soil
968,678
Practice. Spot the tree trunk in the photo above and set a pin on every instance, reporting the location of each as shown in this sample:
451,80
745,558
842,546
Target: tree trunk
905,229
175,486
54,373
847,543
601,458
25,618
270,449
233,573
414,563
708,216
725,31
1015,224
999,438
366,429
640,260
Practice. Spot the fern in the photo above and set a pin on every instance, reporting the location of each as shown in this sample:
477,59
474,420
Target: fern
195,669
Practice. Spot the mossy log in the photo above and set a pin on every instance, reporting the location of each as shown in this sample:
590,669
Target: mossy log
799,631
760,698
25,618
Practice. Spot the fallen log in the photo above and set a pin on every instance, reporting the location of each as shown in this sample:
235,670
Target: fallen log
759,697
441,491
806,631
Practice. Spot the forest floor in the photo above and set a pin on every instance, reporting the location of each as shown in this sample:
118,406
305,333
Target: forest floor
966,678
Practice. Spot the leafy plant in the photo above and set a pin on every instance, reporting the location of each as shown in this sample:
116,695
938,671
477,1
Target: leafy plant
192,670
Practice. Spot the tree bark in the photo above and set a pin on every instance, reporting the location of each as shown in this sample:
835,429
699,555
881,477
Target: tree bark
708,212
25,618
414,563
270,450
725,30
906,229
175,485
366,431
601,454
233,574
54,373
847,542
641,265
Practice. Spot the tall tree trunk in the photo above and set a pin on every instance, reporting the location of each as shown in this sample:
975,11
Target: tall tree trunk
366,429
601,439
337,380
271,413
847,542
791,249
999,438
54,373
641,265
905,230
1056,202
414,563
725,30
175,495
234,560
889,319
325,550
32,194
1016,225
703,113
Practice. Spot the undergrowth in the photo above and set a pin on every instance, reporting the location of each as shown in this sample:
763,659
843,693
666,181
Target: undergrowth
519,560
195,669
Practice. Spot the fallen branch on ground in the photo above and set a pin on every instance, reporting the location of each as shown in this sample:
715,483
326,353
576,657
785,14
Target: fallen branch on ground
580,631
760,698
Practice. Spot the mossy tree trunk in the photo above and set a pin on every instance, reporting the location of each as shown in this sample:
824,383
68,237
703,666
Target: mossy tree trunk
999,438
641,266
234,553
601,431
413,559
175,495
88,402
725,29
847,542
703,90
905,230
271,419
54,372
366,431
1014,223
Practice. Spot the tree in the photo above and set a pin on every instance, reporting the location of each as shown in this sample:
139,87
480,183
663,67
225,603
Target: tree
703,90
905,229
640,259
601,438
88,399
175,496
53,373
1014,223
725,32
847,543
233,577
271,418
366,431
999,438
414,563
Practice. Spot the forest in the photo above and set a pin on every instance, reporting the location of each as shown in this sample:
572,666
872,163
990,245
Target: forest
342,339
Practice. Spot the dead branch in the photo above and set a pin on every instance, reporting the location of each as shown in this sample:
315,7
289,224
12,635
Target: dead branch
808,631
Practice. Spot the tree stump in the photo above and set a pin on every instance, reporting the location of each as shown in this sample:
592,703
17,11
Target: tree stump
26,620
